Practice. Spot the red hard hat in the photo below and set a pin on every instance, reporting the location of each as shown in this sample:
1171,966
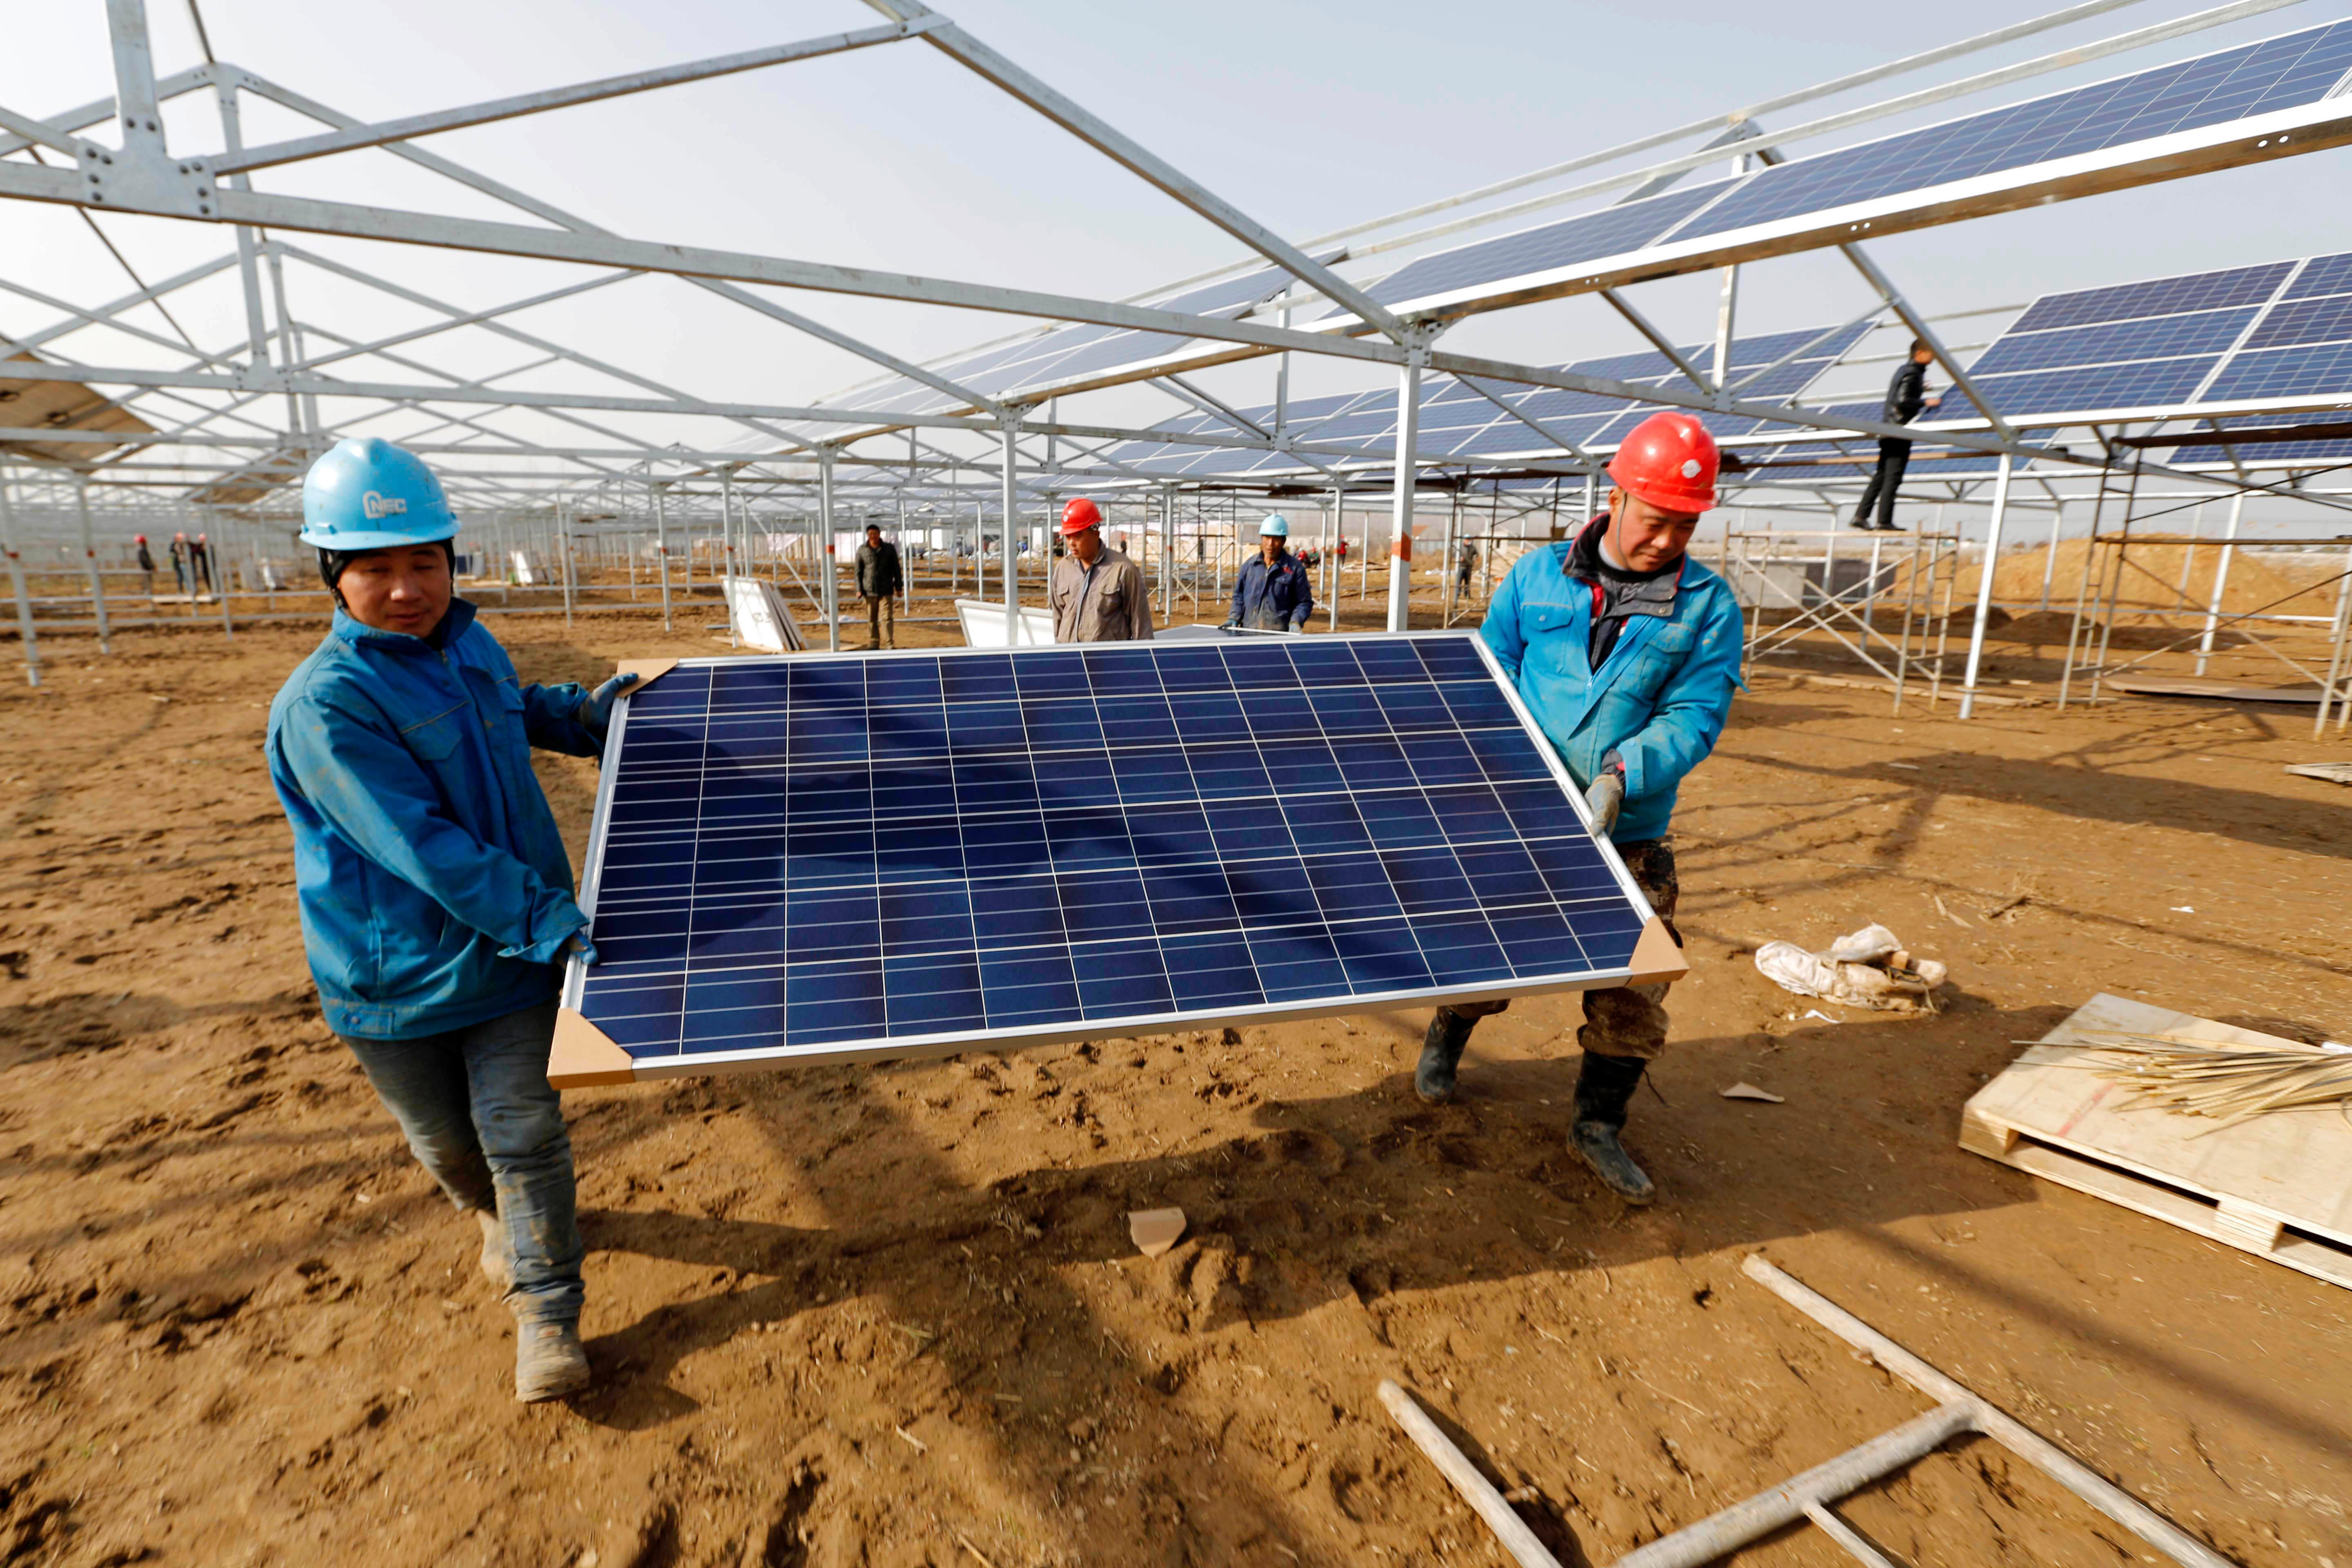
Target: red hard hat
179,536
1079,516
1668,460
139,539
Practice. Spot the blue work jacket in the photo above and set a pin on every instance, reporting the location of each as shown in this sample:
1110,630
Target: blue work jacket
1277,600
434,885
1658,700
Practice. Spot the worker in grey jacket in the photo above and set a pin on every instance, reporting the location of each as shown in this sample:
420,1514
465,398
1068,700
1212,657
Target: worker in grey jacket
879,578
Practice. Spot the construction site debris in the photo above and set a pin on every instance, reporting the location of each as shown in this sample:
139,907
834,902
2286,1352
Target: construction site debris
1154,1231
1868,968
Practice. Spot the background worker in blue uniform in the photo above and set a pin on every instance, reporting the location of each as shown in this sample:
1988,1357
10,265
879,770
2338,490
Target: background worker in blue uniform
435,890
1626,651
1275,592
1906,399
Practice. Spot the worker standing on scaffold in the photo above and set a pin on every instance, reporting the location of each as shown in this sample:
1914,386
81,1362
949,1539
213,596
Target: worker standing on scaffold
1626,651
434,890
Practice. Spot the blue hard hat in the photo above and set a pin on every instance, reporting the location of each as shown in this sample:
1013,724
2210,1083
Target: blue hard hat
1274,527
367,494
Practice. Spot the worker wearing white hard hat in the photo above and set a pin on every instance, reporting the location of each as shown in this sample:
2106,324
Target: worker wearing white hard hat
1275,592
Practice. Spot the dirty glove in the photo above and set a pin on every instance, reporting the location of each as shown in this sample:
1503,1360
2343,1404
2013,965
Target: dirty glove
596,710
1606,793
581,948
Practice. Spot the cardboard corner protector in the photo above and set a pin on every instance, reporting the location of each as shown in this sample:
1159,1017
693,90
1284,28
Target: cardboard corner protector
646,670
584,1057
1657,957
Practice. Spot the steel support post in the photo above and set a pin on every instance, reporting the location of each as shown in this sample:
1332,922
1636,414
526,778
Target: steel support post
90,556
1408,442
563,548
2221,580
219,553
661,552
1984,584
2327,690
24,631
825,563
1168,555
1010,462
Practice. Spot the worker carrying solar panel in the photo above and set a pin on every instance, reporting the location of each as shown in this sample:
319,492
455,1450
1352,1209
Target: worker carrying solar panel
1626,651
434,887
1906,399
1096,592
1274,593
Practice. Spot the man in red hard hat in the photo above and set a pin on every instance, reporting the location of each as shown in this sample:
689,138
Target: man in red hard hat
1627,652
1097,592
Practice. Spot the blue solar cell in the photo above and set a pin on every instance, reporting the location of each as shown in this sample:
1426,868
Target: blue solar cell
2306,369
2142,383
1056,837
1608,232
2322,275
2207,332
2155,297
2321,321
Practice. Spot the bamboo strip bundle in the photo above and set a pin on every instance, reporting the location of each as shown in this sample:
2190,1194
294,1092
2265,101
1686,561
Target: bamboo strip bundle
2227,1082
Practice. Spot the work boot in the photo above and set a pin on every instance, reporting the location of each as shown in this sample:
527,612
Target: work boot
548,1361
1604,1088
1441,1050
498,1259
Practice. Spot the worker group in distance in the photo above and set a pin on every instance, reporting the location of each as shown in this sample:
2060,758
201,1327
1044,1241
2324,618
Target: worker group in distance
436,896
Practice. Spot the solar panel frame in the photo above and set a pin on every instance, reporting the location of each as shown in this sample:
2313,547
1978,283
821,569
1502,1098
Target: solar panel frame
857,977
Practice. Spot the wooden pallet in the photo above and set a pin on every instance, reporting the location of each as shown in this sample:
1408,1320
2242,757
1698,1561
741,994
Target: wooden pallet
2278,1185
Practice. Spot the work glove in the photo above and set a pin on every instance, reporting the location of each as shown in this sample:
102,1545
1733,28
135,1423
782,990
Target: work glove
596,710
581,948
1603,799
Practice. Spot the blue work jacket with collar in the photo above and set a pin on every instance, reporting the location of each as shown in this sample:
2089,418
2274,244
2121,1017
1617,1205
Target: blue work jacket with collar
1276,599
1658,700
434,885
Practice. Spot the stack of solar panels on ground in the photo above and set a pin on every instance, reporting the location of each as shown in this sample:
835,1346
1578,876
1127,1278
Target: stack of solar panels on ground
2292,71
825,859
1459,420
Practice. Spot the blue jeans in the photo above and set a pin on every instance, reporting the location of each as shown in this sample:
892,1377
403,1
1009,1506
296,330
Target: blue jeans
478,1114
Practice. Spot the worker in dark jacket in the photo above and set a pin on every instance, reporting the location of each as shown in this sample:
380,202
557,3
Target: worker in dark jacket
1273,592
1906,399
880,579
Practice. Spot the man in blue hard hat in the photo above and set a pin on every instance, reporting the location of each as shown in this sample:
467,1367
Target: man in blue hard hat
1626,652
1275,592
435,890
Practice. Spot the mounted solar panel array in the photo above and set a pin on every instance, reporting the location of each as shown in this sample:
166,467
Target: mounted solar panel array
912,853
2246,334
2327,450
1458,419
2294,71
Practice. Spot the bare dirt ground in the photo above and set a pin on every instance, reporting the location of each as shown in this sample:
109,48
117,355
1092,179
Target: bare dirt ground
890,1316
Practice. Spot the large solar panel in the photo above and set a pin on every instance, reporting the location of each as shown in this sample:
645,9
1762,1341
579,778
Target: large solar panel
824,858
2275,332
2291,71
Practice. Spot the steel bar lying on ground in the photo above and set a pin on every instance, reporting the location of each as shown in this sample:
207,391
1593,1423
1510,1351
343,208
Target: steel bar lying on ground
1988,1419
1484,1500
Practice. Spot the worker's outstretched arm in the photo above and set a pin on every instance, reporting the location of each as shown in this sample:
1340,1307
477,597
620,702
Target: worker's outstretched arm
569,717
364,782
1501,627
1691,709
1305,605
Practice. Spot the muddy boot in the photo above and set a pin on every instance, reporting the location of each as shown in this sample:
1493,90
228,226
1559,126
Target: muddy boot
548,1361
498,1261
1441,1050
1604,1088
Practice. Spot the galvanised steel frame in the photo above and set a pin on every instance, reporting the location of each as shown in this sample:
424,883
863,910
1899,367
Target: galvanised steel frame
235,424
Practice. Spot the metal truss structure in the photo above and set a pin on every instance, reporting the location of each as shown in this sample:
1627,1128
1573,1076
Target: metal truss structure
158,423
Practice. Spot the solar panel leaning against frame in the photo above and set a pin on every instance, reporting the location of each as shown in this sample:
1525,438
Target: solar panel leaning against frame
910,854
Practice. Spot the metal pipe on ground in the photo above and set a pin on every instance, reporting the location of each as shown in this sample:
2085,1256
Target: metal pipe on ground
1484,1500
